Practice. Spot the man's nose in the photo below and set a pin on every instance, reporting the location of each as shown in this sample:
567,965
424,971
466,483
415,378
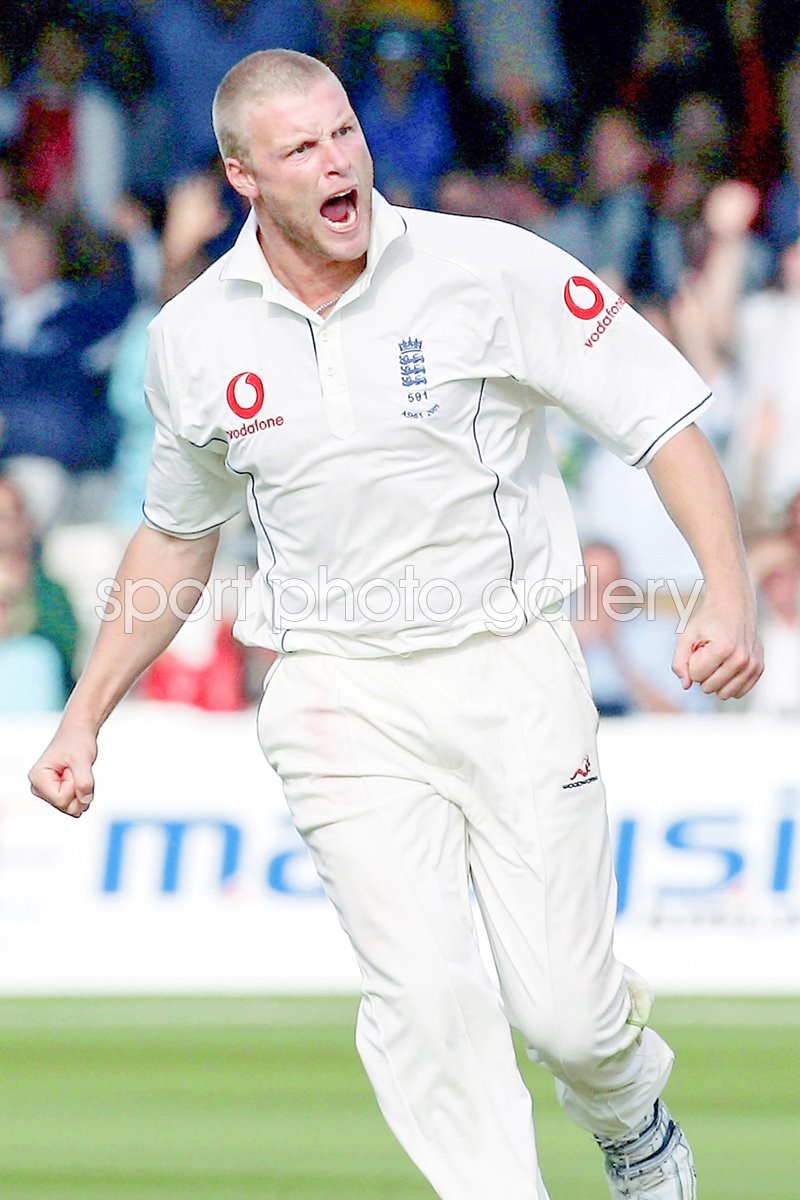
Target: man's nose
336,158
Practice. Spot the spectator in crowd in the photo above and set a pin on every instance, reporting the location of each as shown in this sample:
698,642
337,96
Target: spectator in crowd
756,142
193,44
775,564
534,128
9,103
53,422
791,528
464,193
718,50
680,234
43,602
477,121
194,217
205,667
626,651
704,313
436,21
764,453
30,670
403,111
339,22
607,223
721,277
697,159
783,204
69,146
10,214
518,43
493,194
672,60
132,227
122,55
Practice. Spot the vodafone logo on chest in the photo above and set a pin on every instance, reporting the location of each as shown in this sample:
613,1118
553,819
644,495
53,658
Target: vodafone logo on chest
245,397
585,301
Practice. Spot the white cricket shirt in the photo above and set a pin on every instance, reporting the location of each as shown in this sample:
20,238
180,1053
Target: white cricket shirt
392,454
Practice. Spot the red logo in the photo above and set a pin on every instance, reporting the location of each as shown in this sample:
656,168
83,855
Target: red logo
583,770
255,383
581,776
579,310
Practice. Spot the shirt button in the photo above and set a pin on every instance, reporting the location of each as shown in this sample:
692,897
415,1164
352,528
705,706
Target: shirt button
323,337
329,370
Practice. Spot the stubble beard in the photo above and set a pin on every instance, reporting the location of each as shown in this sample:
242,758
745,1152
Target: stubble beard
301,235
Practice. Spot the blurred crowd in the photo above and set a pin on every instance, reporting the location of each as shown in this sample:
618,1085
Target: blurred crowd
657,141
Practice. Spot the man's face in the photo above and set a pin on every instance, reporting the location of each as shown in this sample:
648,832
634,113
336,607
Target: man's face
309,175
31,258
61,56
790,267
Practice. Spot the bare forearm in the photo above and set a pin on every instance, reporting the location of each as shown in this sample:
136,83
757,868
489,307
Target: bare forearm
719,647
138,625
694,491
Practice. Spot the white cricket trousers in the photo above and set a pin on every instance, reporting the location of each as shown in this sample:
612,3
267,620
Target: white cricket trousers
408,776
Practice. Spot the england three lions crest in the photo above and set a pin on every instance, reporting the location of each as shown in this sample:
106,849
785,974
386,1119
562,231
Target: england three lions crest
412,363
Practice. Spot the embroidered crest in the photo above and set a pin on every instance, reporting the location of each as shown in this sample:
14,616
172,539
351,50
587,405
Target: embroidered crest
412,363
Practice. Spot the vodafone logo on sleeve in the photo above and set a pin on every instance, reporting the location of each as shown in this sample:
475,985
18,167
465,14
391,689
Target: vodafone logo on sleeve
247,386
585,301
582,297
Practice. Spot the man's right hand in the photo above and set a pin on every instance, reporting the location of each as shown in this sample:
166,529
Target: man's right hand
63,775
127,643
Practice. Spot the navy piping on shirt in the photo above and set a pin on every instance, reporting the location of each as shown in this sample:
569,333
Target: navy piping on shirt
672,426
313,340
495,491
252,479
197,533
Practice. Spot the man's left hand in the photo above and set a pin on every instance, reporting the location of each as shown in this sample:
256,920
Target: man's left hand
720,650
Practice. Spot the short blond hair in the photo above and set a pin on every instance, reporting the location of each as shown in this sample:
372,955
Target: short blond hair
259,76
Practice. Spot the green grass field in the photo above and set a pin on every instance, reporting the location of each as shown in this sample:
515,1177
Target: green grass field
189,1099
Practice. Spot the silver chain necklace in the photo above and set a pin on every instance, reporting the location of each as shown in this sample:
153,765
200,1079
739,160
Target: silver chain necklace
328,304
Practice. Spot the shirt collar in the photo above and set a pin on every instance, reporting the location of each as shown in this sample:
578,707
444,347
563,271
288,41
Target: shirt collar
245,261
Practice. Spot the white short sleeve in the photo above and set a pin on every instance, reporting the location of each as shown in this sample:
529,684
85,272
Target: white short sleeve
190,491
584,349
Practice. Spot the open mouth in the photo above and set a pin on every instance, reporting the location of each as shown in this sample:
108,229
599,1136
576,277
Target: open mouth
340,212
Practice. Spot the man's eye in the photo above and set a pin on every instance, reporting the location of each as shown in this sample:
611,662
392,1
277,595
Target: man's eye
345,129
301,149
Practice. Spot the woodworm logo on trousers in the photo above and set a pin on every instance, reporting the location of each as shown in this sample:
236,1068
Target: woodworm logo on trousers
581,775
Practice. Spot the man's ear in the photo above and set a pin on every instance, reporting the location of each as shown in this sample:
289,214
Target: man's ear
241,179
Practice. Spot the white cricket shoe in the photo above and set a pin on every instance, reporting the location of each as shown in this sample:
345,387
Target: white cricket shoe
654,1162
